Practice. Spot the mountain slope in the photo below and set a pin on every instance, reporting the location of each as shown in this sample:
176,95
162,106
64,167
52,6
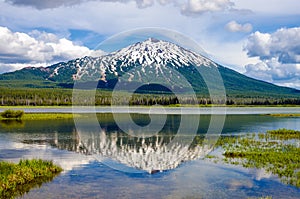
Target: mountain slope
152,61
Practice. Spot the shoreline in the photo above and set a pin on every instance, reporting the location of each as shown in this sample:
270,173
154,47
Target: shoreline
158,110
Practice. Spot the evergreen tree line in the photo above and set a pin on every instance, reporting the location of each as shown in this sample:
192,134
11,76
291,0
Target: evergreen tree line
63,97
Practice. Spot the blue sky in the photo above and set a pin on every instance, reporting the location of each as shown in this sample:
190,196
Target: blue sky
258,38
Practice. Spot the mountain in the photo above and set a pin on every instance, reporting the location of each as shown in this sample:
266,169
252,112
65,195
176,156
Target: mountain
152,62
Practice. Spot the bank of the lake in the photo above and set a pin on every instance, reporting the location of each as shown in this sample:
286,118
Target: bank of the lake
17,179
158,110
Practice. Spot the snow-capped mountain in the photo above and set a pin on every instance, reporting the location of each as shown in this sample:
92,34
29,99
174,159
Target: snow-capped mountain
151,61
151,58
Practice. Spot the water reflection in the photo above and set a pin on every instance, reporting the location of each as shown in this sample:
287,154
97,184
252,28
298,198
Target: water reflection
151,154
75,151
12,124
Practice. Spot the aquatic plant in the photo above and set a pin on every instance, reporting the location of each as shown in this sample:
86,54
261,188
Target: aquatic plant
266,151
17,179
283,134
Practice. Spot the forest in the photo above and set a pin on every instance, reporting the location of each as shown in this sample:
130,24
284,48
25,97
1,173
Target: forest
64,97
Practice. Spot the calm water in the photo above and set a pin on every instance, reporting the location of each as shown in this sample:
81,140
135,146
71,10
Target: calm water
109,162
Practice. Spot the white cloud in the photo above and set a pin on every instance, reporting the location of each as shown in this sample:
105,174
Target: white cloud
38,47
59,3
272,71
193,7
4,68
279,55
18,50
270,6
283,44
190,7
233,26
45,4
144,3
108,17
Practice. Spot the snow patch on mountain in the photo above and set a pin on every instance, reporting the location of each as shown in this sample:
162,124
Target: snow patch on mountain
151,56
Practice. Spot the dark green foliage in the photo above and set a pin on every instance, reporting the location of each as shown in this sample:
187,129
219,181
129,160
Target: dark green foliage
60,96
17,179
11,114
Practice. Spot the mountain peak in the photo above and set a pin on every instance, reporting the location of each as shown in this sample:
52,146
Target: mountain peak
159,52
149,56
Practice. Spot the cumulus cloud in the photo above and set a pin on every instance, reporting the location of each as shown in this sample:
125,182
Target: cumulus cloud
45,4
59,3
36,49
279,55
233,26
275,72
283,44
189,7
193,7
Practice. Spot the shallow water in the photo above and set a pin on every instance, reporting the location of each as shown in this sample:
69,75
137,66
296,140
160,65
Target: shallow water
111,163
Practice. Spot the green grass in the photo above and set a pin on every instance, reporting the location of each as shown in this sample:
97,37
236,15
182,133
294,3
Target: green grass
270,151
42,116
285,115
17,179
283,134
48,116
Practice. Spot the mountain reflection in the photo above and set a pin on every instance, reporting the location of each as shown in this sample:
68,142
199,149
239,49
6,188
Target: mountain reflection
152,154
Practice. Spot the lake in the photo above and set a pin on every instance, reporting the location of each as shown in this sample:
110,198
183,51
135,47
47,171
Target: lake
150,156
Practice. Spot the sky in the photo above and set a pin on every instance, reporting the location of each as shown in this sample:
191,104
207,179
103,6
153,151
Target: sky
260,39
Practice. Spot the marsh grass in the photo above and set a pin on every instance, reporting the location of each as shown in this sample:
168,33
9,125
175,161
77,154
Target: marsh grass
43,116
284,115
283,134
268,151
17,179
48,116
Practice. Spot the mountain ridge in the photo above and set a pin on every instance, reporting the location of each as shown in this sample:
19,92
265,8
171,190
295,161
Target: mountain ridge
144,61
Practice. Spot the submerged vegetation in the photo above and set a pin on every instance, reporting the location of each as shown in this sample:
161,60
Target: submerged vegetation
276,151
17,179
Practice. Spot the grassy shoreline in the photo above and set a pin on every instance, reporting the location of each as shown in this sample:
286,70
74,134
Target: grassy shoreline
60,114
276,151
42,116
165,106
284,115
17,179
